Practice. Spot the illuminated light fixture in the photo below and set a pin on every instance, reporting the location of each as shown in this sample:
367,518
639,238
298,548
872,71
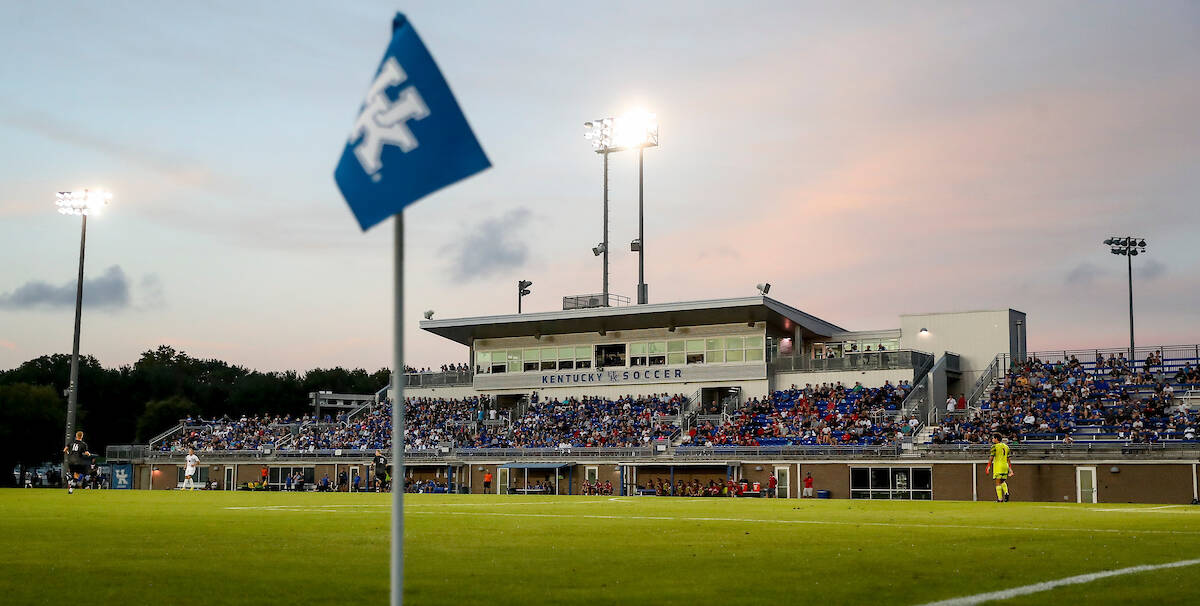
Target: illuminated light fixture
924,331
86,202
82,204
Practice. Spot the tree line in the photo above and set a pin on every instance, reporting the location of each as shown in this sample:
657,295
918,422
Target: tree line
133,403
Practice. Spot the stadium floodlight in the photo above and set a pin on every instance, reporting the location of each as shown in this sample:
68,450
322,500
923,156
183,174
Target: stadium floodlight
429,314
636,245
522,290
1129,247
763,288
598,250
632,130
80,204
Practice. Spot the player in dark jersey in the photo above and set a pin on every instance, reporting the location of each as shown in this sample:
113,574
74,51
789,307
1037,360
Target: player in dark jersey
381,472
79,460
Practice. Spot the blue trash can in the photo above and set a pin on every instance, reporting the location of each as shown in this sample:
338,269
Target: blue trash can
823,494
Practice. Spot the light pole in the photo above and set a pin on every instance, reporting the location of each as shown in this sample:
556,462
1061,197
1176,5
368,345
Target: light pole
522,290
1130,246
81,204
600,133
632,130
640,130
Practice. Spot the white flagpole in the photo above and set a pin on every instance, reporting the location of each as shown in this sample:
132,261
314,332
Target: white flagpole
398,419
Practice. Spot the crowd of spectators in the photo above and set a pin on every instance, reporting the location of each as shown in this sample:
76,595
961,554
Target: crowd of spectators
244,433
1067,400
624,422
826,415
460,367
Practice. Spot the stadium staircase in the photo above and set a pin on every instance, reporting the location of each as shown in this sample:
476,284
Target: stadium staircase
170,433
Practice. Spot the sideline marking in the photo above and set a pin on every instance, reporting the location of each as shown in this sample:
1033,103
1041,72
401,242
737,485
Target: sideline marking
1172,509
819,522
1006,594
406,505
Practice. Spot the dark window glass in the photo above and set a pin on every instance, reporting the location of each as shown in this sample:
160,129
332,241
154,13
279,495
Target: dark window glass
922,478
880,477
860,478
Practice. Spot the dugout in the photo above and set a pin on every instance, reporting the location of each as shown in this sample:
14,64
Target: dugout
536,478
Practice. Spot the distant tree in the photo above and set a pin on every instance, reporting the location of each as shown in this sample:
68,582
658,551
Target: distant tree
113,401
32,418
162,414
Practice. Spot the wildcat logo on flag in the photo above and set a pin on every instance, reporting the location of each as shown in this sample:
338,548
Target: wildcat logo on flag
410,138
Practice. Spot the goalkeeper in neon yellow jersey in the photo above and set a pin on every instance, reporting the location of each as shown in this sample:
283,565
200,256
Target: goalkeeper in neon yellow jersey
1000,466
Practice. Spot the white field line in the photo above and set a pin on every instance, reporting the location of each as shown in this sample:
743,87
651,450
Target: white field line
1006,594
815,522
1169,509
406,505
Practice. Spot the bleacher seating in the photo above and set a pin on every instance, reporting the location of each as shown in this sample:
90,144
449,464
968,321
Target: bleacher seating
1068,401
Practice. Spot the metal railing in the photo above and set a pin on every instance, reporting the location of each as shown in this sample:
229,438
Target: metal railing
994,371
861,360
737,452
438,379
166,434
1087,356
1021,451
582,452
594,300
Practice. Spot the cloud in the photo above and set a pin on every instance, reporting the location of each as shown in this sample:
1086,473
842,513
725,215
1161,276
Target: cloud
9,345
1150,269
488,247
109,290
1084,273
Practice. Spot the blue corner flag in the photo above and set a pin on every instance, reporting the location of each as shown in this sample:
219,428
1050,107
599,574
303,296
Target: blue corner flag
410,138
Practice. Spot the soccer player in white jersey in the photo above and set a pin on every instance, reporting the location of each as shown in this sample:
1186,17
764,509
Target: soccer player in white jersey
190,472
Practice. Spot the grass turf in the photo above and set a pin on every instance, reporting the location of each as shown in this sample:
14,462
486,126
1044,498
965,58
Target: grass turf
127,547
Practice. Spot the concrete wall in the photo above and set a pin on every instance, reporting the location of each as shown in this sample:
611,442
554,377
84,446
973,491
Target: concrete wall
976,336
1052,482
869,378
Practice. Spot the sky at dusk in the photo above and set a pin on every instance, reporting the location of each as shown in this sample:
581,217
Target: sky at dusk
867,159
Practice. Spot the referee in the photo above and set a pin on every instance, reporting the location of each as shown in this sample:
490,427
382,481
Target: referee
79,460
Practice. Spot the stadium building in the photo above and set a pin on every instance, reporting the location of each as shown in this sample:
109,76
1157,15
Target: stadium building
717,356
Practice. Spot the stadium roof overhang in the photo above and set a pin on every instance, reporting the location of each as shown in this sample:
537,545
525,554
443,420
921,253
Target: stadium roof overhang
781,320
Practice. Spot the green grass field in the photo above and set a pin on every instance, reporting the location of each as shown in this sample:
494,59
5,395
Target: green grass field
139,547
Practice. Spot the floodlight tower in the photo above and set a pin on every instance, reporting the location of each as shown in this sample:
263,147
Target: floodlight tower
80,204
600,133
639,129
1130,247
634,130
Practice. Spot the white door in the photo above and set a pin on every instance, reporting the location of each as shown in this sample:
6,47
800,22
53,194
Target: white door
229,478
781,482
1085,485
502,485
350,478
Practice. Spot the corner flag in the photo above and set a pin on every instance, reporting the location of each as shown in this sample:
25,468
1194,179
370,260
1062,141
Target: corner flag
410,138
